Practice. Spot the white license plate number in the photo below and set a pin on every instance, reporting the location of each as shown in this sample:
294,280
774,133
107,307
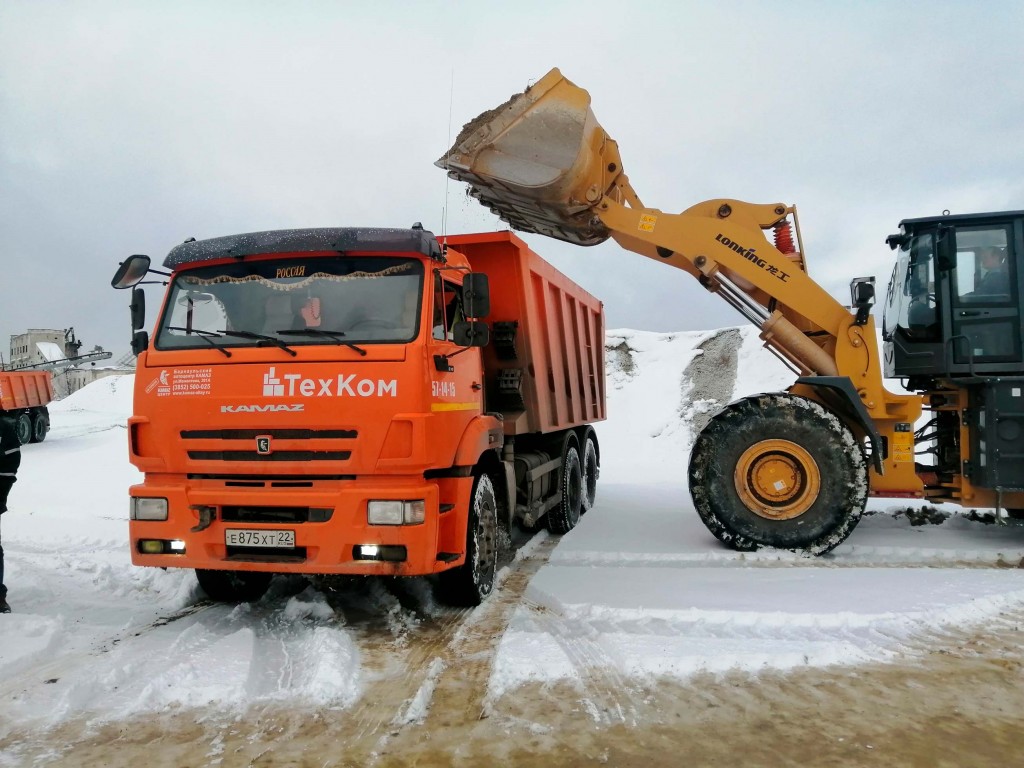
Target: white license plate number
247,537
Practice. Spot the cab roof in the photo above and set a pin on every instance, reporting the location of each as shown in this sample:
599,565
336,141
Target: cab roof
339,239
960,218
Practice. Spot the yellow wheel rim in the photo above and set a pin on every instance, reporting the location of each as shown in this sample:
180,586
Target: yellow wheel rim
777,479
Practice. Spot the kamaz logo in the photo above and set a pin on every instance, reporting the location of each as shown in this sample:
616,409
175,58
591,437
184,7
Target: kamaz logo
293,408
294,385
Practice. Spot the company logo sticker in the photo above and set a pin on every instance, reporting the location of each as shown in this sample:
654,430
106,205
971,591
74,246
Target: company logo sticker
296,385
181,382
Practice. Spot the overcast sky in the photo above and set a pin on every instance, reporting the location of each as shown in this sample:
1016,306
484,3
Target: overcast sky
129,127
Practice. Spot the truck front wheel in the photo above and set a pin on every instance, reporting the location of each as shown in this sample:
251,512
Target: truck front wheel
471,582
233,586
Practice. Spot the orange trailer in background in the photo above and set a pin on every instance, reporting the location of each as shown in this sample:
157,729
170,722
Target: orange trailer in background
333,402
24,396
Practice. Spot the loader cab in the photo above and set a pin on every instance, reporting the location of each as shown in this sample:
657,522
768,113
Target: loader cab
953,307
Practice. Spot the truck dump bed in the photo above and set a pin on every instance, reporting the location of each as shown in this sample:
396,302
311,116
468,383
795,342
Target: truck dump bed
25,389
544,368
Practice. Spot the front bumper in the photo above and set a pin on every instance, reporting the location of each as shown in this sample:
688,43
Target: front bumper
325,543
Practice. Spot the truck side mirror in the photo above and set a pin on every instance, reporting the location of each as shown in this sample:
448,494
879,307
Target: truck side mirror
131,271
471,334
140,341
138,308
476,295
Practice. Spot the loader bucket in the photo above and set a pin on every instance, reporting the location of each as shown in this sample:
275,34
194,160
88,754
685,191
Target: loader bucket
540,161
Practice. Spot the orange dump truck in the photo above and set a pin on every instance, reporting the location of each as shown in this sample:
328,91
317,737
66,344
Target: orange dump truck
359,401
24,396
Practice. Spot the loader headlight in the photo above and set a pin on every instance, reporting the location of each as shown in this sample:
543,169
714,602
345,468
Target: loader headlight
147,509
391,512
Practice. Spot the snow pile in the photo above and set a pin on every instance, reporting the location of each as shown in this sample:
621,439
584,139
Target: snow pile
659,387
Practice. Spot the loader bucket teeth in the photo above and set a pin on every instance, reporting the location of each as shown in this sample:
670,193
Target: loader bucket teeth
540,161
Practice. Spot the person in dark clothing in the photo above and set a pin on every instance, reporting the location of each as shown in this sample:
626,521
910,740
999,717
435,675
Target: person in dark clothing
10,460
993,274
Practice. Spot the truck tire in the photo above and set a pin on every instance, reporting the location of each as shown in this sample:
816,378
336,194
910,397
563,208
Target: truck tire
40,426
23,428
591,471
471,582
233,586
566,514
778,470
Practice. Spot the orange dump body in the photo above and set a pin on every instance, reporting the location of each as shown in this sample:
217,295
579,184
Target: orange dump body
25,389
545,363
271,445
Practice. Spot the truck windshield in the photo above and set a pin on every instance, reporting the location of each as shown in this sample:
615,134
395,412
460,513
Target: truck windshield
314,300
911,301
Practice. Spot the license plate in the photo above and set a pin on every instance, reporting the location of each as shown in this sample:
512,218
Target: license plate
247,537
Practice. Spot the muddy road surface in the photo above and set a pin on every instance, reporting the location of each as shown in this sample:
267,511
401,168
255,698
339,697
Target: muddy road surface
953,698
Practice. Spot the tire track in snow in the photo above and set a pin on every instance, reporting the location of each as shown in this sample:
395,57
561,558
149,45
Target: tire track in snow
606,692
442,676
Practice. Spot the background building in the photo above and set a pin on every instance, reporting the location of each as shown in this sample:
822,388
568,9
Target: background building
59,352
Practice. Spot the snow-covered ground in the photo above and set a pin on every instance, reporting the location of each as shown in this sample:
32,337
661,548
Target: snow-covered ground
640,588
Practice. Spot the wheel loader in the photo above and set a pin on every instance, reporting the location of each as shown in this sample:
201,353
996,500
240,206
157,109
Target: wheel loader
793,469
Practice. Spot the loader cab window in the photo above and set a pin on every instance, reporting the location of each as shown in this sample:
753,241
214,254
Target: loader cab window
911,303
986,311
983,269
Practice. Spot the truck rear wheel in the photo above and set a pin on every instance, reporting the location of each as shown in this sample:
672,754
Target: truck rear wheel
780,471
566,514
471,582
23,428
591,470
233,586
40,426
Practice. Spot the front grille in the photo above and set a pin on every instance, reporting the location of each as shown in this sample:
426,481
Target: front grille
275,456
241,444
279,434
251,514
258,481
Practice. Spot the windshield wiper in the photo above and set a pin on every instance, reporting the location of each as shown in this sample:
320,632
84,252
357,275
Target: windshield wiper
336,335
262,337
205,336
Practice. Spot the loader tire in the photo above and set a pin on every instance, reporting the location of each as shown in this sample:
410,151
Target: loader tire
564,516
233,586
781,471
471,582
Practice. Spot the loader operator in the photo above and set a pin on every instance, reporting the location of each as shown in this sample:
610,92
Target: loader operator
10,459
993,278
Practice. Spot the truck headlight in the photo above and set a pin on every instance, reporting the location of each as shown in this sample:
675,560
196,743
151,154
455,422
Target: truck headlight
147,508
389,512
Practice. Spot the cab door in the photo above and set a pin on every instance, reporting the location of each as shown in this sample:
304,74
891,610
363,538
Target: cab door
986,320
456,386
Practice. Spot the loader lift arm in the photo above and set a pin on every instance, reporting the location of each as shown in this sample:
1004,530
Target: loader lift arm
543,163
